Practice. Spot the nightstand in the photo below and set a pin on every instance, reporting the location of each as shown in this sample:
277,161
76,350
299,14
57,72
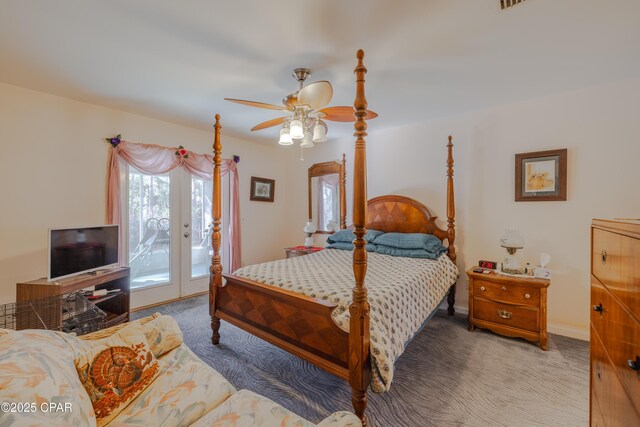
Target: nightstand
508,305
300,250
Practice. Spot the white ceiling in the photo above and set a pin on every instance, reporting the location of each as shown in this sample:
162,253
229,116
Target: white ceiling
176,60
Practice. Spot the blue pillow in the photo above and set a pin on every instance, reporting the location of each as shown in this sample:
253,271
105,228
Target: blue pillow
409,253
348,246
427,242
348,236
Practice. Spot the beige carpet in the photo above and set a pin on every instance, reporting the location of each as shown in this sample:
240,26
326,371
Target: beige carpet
448,376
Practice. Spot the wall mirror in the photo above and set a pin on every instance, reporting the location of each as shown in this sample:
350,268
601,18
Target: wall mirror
327,197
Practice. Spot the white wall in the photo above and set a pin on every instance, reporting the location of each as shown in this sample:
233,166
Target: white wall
53,166
598,125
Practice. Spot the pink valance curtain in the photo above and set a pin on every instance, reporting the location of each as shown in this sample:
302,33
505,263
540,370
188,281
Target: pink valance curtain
155,159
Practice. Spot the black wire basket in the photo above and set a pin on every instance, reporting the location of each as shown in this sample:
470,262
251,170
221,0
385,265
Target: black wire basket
71,313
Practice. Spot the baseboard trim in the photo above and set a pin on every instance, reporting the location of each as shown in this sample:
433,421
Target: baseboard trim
568,331
461,309
133,310
554,328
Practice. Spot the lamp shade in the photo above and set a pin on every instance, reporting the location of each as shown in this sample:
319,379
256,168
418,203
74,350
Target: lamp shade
285,138
296,131
512,239
332,225
307,142
319,132
310,227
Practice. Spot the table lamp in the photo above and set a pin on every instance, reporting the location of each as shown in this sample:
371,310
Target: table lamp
310,228
512,241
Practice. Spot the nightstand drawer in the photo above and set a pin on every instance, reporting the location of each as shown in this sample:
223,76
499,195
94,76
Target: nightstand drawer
509,305
515,316
506,292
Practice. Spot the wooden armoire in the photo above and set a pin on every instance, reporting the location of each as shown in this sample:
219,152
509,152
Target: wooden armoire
615,323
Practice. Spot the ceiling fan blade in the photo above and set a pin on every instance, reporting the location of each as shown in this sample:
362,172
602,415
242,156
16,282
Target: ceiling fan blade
315,95
343,114
269,123
256,104
290,101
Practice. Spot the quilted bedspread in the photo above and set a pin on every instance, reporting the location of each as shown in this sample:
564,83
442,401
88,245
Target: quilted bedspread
402,293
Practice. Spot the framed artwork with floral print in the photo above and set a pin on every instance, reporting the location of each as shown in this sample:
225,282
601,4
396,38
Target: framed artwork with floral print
262,189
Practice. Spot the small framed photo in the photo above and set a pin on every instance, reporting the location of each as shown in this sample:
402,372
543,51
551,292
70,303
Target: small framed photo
541,176
262,189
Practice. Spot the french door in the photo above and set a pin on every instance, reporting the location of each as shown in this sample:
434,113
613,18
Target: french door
168,224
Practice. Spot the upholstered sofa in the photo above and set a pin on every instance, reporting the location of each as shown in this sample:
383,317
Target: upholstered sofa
44,377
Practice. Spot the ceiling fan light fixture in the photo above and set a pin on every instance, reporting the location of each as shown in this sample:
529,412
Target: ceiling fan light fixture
319,132
296,130
285,137
306,111
307,142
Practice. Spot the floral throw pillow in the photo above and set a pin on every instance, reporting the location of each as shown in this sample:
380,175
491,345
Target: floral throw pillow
163,335
115,370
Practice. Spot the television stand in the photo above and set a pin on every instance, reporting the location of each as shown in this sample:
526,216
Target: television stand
116,305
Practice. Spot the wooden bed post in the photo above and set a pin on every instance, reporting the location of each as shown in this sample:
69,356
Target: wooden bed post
215,276
451,230
343,193
359,359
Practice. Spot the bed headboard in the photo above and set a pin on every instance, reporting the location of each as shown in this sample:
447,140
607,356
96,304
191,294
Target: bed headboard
402,215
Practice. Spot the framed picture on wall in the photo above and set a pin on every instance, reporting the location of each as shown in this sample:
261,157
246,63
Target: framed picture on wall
541,176
262,189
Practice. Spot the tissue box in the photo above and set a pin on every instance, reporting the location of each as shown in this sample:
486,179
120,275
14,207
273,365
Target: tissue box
541,273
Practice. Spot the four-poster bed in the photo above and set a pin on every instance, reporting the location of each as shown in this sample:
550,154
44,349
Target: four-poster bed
306,325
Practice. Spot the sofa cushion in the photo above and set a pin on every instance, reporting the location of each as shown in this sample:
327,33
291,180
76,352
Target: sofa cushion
246,408
116,369
37,367
163,334
184,391
341,419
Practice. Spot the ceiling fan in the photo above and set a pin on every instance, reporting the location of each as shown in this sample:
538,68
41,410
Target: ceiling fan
307,112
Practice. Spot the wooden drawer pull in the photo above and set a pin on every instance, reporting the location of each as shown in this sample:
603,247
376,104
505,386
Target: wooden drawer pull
504,288
598,308
527,296
504,314
634,364
604,256
482,288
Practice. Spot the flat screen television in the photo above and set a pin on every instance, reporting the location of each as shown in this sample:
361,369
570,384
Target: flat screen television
74,251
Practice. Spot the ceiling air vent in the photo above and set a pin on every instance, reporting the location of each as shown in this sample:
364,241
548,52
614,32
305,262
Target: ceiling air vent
508,3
